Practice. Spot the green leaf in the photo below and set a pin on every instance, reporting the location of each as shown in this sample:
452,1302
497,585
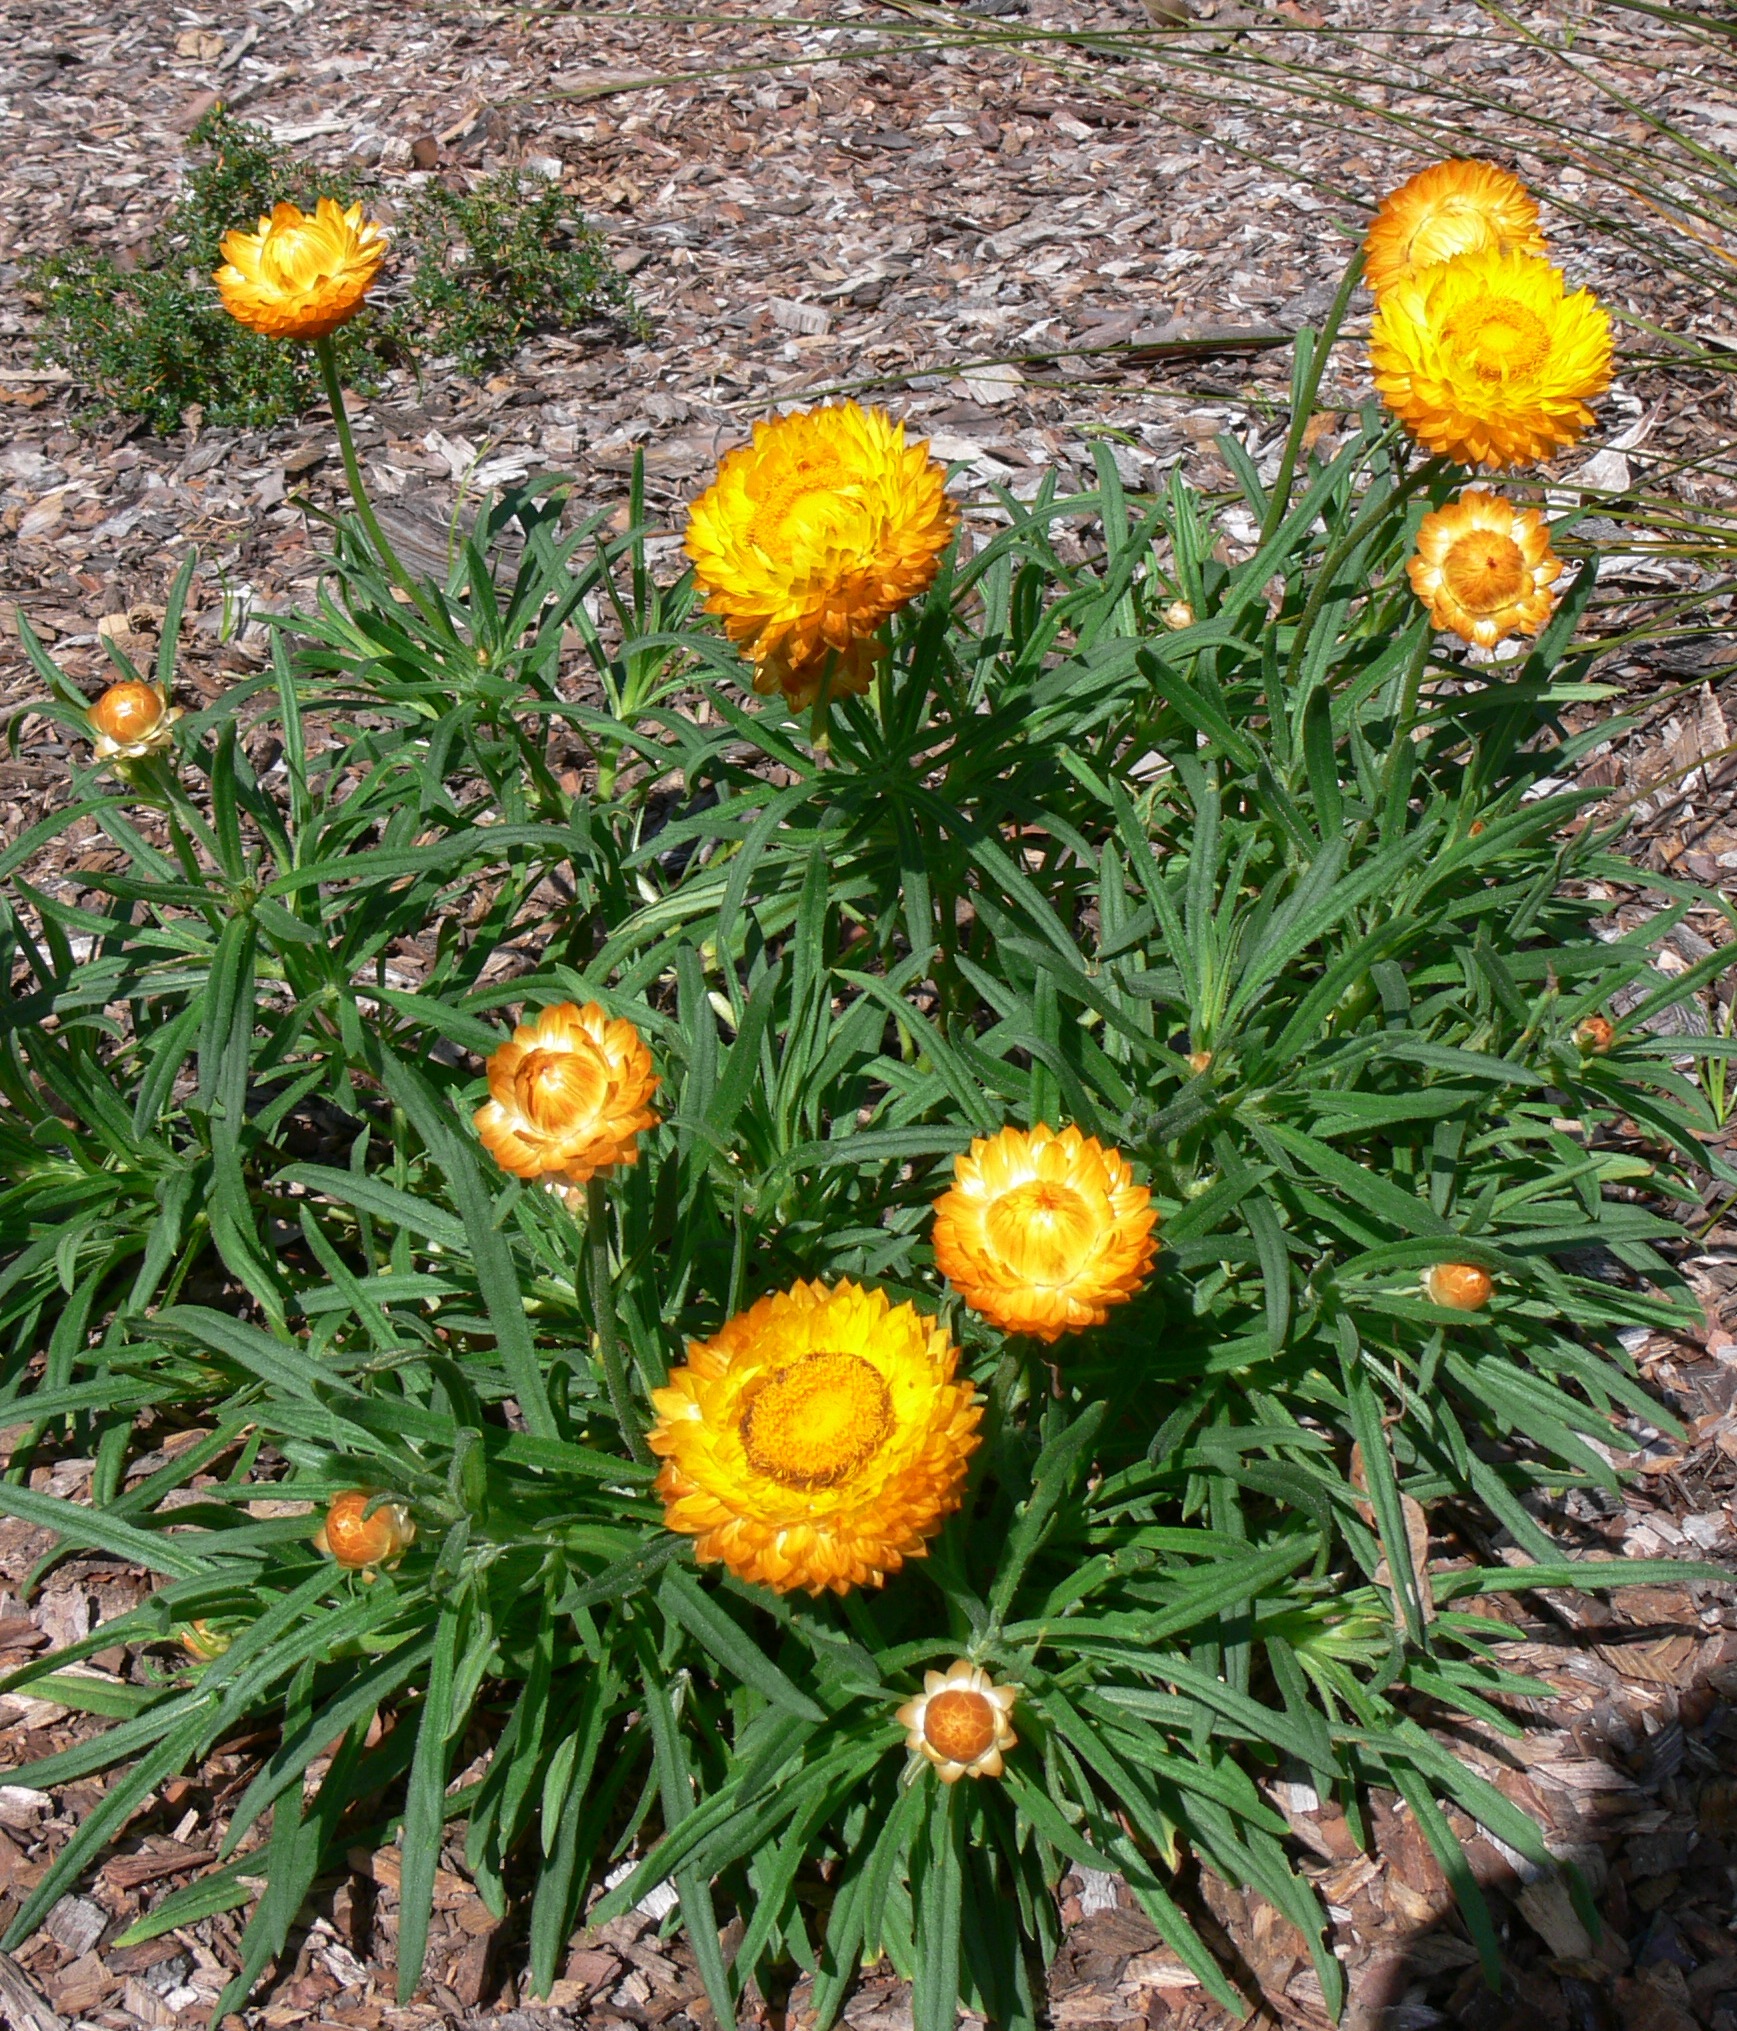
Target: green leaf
726,1640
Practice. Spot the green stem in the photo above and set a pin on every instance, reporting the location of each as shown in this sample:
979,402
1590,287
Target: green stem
1367,516
326,353
820,713
603,1312
1400,758
1279,500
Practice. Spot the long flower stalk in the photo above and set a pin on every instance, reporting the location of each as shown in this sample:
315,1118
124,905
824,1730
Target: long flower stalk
326,354
602,1291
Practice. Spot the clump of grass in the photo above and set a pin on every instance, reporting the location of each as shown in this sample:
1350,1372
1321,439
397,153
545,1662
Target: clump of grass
152,341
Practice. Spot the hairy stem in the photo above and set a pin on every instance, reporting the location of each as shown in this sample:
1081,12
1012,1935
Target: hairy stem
603,1313
328,359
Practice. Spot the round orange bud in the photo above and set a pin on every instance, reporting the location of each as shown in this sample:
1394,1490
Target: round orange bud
356,1539
1476,826
959,1725
131,720
1594,1034
1459,1286
1198,1061
127,711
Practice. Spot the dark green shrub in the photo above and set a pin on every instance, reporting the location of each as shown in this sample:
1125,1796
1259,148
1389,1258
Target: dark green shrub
496,264
153,340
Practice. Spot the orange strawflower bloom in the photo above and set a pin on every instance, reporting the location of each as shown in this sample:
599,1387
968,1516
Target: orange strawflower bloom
1460,1286
960,1722
1488,361
1458,207
811,537
357,1541
130,721
817,1441
301,275
1484,568
568,1096
1042,1233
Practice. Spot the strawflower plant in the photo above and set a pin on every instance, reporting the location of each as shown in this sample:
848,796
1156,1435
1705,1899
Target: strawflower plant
829,1499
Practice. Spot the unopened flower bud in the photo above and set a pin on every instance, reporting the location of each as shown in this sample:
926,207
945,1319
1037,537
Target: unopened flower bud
1198,1061
130,721
1458,1286
1179,614
202,1640
357,1539
1594,1035
961,1722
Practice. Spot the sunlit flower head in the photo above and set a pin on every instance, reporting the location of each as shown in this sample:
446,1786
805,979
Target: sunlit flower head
1458,1286
358,1540
960,1722
1459,207
301,275
130,721
817,1441
1488,361
1043,1232
811,537
1484,568
568,1096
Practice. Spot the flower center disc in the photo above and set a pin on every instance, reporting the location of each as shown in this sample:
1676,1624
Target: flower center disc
803,510
959,1724
1485,571
1042,1231
1498,339
291,258
557,1089
814,1423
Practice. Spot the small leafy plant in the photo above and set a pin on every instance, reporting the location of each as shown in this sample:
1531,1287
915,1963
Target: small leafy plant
153,341
506,259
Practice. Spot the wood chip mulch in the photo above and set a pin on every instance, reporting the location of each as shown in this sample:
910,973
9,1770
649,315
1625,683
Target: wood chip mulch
1031,226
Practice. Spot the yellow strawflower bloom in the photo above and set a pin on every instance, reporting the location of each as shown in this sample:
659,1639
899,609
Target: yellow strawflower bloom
1488,361
961,1722
1484,568
817,1441
811,536
300,276
1458,207
568,1096
1043,1232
